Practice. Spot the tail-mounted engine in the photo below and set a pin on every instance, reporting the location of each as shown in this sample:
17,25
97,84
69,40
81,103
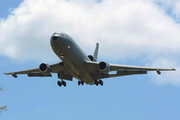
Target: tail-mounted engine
104,67
92,58
44,69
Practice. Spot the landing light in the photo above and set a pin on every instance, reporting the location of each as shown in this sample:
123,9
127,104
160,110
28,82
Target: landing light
69,47
61,56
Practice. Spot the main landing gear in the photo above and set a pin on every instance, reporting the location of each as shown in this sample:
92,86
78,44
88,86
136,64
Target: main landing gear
80,82
61,64
97,82
61,83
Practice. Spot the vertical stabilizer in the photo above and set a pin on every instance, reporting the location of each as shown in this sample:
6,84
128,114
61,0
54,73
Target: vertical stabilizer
96,51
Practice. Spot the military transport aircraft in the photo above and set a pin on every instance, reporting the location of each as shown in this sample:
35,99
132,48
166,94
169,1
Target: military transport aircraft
75,63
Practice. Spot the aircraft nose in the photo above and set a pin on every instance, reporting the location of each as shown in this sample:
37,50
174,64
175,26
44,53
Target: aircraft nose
54,37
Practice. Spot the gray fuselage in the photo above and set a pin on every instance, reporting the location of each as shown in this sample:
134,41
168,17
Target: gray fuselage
72,55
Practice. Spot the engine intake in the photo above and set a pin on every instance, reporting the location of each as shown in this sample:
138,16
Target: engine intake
92,58
104,67
44,69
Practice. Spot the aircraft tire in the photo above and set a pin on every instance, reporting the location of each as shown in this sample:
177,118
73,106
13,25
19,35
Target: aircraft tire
59,83
82,82
64,83
79,82
101,82
96,82
61,63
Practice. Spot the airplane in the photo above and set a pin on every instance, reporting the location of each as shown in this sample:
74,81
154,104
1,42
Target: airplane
76,64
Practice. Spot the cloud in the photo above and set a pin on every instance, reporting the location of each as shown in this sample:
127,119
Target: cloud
125,29
166,77
172,7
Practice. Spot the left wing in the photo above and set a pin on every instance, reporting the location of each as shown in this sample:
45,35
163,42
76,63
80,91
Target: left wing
122,70
115,67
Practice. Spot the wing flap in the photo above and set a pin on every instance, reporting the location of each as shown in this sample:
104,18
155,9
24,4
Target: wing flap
119,73
130,72
38,75
133,68
127,73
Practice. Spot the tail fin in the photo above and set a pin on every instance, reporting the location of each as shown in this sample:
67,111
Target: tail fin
96,51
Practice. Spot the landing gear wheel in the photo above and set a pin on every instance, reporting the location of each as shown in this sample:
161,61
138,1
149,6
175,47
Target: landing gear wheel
79,82
59,83
64,83
96,82
101,82
82,82
61,63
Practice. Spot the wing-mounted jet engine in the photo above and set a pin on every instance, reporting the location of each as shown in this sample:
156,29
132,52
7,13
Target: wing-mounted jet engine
44,69
104,67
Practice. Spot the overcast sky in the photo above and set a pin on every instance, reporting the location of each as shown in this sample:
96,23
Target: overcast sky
131,32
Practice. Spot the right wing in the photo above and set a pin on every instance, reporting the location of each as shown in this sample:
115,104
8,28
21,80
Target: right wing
55,68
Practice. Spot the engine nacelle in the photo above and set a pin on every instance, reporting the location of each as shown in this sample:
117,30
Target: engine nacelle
44,69
104,67
92,58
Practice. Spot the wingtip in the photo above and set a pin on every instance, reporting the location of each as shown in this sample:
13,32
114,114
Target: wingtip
173,69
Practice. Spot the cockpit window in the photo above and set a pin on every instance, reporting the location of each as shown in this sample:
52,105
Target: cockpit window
57,33
62,34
